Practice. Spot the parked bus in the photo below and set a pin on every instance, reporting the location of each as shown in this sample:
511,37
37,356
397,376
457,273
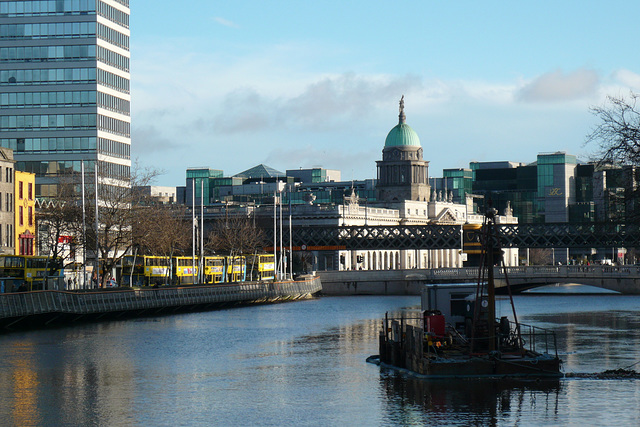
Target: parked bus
147,271
28,272
214,271
184,272
261,267
236,270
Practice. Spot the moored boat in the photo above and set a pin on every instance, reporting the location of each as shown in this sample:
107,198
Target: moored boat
460,337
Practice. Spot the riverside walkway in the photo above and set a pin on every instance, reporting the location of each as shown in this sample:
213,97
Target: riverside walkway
41,308
622,279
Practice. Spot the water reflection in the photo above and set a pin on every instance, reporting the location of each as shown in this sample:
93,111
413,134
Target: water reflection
465,402
303,364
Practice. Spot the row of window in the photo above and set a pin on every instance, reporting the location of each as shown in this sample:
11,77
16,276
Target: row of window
8,235
48,121
56,167
83,144
47,53
80,98
48,76
49,30
113,14
113,170
113,103
112,58
8,202
42,168
123,2
114,148
8,175
65,121
21,216
113,36
47,7
64,76
115,126
111,80
21,190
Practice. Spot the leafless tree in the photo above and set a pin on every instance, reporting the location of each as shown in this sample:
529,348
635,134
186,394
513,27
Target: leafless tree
540,256
120,209
618,134
162,230
59,222
236,235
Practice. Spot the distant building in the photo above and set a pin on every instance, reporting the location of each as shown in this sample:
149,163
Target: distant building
159,194
402,173
315,175
7,203
25,206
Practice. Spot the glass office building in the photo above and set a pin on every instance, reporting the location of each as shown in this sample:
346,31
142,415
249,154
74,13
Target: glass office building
64,95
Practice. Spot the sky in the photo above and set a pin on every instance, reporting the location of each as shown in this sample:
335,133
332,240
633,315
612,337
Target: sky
229,85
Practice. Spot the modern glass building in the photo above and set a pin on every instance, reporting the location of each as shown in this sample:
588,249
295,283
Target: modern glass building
64,88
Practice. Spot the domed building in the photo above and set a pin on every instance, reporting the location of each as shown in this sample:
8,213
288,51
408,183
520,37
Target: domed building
402,172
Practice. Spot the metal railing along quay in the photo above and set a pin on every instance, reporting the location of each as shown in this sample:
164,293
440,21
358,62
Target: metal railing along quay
16,307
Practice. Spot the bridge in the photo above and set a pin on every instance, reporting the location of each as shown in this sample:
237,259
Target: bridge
623,279
558,235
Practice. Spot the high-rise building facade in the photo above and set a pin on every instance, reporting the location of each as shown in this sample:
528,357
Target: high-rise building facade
64,88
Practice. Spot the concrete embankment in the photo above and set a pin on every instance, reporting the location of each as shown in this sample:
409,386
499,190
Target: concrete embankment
43,308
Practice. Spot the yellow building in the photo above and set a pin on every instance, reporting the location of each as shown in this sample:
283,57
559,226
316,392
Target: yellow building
25,212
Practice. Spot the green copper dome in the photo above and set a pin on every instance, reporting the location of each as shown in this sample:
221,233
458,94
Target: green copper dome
402,134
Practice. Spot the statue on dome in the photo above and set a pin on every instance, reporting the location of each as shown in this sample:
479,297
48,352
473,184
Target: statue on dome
402,104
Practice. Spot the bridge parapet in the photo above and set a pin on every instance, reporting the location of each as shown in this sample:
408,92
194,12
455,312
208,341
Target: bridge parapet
623,279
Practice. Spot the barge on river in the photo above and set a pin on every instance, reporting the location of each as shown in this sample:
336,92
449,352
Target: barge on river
460,337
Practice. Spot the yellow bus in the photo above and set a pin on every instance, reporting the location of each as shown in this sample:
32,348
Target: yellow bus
184,272
261,267
28,272
148,270
214,271
156,269
236,268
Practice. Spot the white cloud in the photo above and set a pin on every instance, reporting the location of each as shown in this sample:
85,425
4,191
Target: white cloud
225,22
627,78
557,86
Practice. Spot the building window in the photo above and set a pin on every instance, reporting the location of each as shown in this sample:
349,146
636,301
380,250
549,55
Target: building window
30,216
20,190
21,216
30,191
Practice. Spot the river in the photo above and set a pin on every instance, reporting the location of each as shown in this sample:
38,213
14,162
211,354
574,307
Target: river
303,363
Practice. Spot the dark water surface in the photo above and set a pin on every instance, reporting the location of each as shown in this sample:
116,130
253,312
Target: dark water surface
303,363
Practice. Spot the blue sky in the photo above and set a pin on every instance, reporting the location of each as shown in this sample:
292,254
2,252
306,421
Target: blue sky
229,85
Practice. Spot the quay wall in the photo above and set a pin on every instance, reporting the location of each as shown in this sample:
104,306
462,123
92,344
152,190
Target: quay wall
41,308
623,279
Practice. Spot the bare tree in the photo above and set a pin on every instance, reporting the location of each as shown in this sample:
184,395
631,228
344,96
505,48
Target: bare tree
540,256
162,230
121,207
237,235
59,222
618,138
618,133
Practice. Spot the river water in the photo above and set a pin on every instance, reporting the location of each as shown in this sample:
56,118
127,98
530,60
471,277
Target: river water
303,363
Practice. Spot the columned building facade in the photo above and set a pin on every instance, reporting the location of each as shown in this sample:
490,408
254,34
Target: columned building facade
64,88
